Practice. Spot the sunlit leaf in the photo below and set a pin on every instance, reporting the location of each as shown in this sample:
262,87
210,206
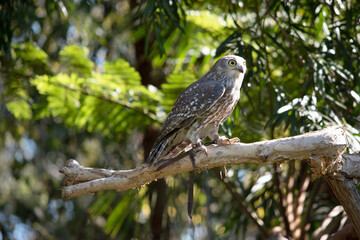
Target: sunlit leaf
20,109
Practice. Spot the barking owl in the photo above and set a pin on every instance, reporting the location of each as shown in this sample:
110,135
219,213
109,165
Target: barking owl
200,109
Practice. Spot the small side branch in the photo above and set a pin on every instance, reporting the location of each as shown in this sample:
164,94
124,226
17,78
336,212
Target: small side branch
349,197
325,145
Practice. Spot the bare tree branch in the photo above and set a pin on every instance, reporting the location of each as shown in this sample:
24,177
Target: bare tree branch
320,147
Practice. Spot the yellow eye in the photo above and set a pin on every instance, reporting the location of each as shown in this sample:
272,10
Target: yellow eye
232,62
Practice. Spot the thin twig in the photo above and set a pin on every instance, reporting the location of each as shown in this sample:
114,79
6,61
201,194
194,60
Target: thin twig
300,204
109,99
268,12
289,197
281,202
264,234
310,202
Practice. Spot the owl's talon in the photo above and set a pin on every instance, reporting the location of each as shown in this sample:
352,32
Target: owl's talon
227,141
204,149
199,147
234,140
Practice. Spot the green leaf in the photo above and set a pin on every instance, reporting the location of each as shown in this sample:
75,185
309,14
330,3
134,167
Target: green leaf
149,8
20,109
118,215
75,59
31,53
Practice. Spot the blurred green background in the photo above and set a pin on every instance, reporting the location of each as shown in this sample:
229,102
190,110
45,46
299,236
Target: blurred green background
94,80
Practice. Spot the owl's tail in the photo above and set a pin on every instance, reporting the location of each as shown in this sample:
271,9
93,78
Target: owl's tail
157,151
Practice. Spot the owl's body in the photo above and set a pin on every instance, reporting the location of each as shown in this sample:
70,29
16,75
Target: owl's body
201,108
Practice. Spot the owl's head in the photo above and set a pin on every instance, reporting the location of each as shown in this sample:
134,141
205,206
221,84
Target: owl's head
232,63
230,67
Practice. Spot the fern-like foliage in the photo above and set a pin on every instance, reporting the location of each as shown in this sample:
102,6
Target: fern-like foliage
175,84
28,60
113,102
74,59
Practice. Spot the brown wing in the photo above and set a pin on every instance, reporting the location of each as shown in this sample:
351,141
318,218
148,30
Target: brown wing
196,99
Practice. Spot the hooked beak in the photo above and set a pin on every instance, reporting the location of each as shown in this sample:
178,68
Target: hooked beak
240,68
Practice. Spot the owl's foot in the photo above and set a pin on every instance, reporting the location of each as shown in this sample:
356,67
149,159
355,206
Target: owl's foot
199,147
224,140
234,140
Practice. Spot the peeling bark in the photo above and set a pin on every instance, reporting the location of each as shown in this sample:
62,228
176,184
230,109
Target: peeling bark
322,149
